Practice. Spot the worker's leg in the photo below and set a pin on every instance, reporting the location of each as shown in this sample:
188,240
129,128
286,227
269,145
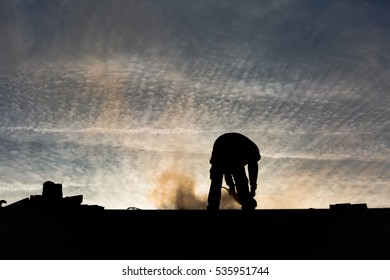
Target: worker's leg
242,188
229,181
214,197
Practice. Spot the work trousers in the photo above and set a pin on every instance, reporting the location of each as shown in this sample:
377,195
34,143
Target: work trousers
240,180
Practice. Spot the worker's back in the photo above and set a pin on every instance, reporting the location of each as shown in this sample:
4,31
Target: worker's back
231,149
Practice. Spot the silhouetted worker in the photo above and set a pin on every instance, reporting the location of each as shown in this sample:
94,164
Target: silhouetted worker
231,153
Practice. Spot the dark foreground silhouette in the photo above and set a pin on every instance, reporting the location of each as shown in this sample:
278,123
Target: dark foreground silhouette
38,228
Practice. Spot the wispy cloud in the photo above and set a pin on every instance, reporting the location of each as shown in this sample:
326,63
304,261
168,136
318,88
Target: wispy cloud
105,96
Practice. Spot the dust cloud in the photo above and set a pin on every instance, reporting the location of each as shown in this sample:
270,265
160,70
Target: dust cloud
175,190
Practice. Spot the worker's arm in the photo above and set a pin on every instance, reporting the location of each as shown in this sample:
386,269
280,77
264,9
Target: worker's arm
253,170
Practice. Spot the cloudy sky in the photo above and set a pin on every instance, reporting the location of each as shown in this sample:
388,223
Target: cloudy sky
121,101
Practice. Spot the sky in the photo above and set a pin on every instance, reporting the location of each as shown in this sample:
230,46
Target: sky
121,101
